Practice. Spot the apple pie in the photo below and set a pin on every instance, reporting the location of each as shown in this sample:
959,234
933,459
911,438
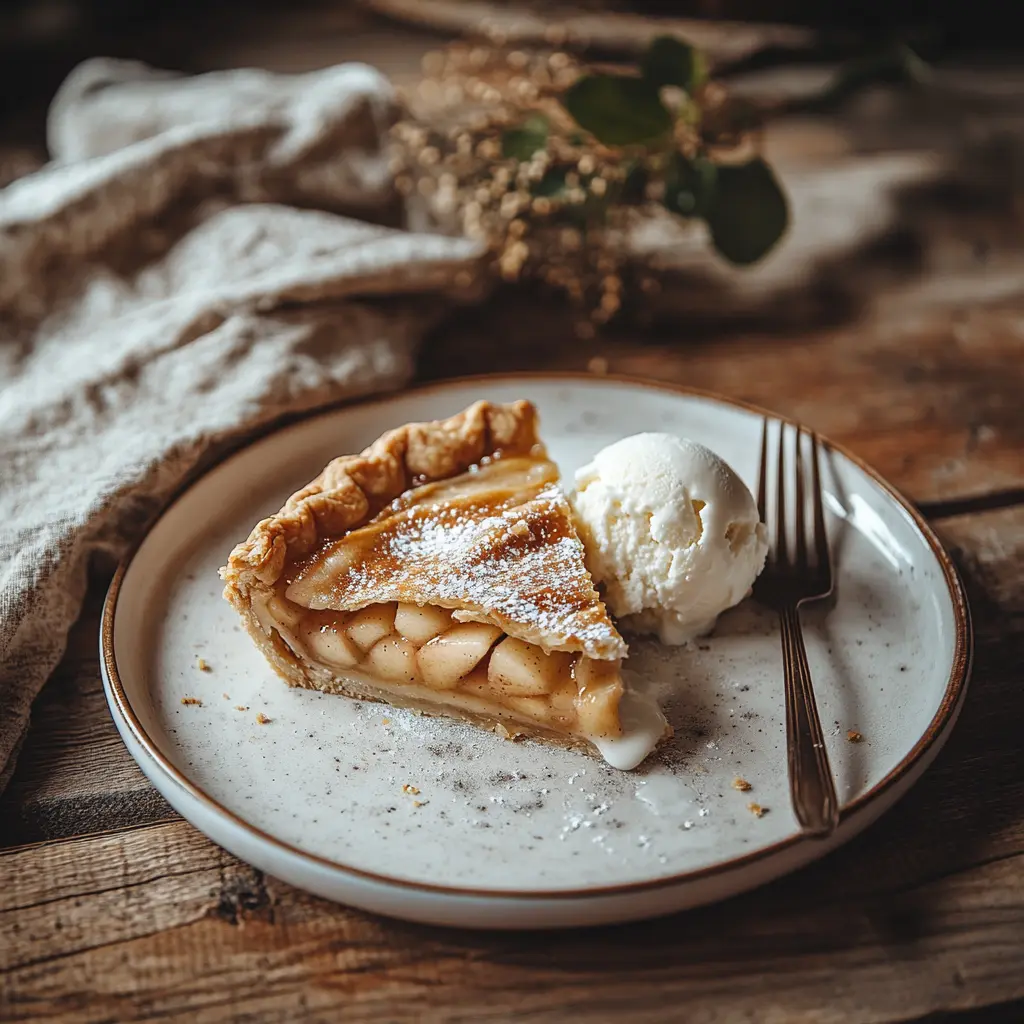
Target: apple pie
440,570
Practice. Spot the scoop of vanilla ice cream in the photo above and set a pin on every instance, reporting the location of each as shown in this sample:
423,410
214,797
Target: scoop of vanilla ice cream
671,532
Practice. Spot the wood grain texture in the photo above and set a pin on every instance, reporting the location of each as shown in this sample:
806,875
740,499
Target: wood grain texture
75,776
932,400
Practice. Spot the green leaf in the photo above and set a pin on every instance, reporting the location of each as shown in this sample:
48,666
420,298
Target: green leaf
670,61
551,185
522,142
617,111
749,212
690,186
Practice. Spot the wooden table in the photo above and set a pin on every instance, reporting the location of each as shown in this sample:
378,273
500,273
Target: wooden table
112,908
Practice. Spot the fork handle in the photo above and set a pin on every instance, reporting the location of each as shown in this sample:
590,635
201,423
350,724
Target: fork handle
810,777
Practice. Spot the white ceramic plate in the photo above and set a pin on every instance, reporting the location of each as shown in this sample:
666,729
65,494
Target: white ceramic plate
495,834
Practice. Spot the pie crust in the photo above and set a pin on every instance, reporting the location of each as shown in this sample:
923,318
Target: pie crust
439,570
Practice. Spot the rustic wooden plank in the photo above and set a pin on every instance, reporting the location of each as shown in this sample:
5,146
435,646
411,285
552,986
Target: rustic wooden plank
932,401
74,774
184,945
991,549
58,898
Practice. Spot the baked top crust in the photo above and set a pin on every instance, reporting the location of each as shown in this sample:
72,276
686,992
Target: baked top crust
463,513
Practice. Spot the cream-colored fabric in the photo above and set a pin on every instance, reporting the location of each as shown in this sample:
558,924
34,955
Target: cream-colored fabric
179,275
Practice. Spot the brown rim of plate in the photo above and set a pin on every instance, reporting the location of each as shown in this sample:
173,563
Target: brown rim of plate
956,685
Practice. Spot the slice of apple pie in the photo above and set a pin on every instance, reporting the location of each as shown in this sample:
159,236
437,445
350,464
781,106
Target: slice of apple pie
440,571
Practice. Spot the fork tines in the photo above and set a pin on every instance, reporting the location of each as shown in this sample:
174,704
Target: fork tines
805,443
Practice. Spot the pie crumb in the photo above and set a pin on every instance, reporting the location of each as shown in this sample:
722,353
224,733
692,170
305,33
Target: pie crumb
385,721
757,810
741,784
192,700
407,788
226,696
420,803
853,736
203,665
262,718
241,707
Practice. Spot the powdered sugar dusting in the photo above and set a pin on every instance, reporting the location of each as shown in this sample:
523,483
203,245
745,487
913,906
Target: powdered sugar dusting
521,561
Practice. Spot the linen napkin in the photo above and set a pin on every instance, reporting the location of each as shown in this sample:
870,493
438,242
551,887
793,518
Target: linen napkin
181,273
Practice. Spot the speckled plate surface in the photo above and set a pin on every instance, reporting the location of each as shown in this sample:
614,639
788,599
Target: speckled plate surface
433,821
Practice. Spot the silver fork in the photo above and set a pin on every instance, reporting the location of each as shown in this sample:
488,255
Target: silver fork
785,584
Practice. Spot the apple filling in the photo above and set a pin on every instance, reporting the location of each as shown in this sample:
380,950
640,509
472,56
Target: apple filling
471,665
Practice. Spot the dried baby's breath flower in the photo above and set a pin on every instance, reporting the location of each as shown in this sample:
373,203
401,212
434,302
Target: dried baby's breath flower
495,146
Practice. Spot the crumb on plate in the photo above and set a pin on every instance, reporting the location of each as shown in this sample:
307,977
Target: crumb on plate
241,707
741,784
757,810
262,718
407,788
203,665
853,736
192,700
385,721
